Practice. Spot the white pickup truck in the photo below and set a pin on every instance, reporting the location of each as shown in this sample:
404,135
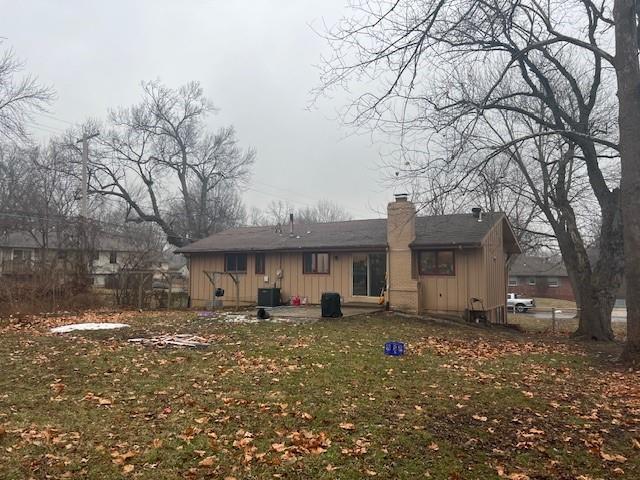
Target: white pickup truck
518,304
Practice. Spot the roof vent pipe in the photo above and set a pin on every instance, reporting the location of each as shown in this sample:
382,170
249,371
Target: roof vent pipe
477,213
291,224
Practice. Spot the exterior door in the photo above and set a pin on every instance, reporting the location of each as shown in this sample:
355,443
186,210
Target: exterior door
369,274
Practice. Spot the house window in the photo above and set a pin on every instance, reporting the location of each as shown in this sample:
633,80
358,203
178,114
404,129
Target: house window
260,261
532,281
315,263
235,262
113,257
21,255
553,282
513,281
437,262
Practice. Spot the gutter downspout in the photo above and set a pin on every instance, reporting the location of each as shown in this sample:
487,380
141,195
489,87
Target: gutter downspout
388,279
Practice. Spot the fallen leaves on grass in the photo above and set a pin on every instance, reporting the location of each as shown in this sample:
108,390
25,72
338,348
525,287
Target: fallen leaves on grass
57,387
501,471
102,401
613,457
347,426
479,349
361,446
207,462
120,458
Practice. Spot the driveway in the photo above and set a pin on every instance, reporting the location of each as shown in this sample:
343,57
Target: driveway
618,314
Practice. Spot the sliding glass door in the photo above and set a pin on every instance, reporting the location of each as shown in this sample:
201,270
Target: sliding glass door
369,274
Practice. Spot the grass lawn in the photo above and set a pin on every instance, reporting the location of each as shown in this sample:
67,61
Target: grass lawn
547,303
309,401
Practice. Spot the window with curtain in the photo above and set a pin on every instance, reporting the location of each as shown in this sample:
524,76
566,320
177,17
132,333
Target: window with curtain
315,263
436,262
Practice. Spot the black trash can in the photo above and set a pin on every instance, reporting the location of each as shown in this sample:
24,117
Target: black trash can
330,304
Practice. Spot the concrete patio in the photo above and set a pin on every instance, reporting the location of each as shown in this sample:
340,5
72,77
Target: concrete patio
313,312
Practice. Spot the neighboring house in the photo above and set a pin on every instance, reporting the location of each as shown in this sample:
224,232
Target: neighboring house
424,264
544,277
21,254
170,267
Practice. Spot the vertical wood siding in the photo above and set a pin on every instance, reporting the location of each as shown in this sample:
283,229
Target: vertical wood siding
293,282
480,273
495,260
443,293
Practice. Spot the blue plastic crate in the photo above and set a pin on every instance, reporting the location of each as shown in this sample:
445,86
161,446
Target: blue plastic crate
394,348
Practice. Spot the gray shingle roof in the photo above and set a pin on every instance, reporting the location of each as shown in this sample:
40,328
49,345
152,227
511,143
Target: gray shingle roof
433,231
528,266
104,241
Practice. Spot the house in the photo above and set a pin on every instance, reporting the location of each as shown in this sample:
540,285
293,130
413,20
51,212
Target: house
423,264
22,255
544,277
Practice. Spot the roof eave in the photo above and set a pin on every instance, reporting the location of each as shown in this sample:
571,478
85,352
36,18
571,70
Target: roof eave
333,248
416,245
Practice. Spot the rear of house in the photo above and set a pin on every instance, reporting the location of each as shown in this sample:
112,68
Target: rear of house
540,277
413,264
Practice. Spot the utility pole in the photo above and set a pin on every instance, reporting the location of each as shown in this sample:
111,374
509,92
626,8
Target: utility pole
84,260
85,161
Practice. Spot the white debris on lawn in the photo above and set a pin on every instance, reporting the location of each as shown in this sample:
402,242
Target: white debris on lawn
181,340
237,318
88,326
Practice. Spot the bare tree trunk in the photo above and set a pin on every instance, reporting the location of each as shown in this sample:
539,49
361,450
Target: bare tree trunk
594,290
628,76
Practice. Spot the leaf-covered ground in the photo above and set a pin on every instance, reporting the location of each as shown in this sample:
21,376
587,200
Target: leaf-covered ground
311,401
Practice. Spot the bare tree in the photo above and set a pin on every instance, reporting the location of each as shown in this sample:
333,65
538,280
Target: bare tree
627,25
323,211
36,194
158,158
278,211
20,97
476,80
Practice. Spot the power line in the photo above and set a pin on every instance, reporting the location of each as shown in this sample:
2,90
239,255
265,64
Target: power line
45,128
53,117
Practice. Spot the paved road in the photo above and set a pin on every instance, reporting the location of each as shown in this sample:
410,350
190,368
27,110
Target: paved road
618,315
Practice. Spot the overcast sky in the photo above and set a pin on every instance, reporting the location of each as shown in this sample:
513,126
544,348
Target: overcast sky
254,58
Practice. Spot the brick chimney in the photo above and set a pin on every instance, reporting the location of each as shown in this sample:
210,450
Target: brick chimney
401,231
